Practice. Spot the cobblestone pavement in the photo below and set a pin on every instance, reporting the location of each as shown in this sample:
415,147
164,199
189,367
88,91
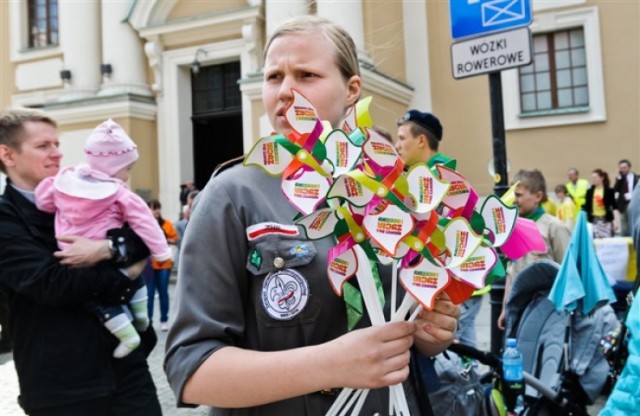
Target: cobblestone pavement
9,381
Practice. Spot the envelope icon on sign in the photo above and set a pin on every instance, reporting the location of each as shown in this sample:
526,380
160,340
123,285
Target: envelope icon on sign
497,12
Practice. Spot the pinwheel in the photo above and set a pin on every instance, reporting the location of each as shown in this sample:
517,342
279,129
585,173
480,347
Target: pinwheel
304,161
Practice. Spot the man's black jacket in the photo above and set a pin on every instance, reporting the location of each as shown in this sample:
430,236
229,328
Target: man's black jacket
61,352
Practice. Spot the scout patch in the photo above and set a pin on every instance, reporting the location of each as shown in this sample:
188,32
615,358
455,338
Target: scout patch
285,294
271,228
299,251
256,258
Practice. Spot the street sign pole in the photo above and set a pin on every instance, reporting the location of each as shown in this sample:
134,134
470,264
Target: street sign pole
501,184
487,43
500,179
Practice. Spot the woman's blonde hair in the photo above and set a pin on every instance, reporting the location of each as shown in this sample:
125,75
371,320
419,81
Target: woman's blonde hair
346,53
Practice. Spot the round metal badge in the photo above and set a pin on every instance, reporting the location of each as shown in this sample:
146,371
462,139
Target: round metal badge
285,294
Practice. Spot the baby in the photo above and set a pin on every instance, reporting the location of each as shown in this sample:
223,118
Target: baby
92,198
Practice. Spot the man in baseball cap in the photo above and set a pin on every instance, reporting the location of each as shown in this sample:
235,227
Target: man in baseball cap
419,135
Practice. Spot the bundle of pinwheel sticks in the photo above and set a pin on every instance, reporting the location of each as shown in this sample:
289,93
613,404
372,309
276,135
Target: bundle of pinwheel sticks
428,223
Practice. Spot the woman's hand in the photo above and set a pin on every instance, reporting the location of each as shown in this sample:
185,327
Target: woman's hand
372,357
81,251
435,329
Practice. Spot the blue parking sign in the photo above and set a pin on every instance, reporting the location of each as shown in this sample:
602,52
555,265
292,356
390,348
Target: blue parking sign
478,17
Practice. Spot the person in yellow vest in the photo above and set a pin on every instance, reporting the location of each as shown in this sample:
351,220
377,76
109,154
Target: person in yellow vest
577,188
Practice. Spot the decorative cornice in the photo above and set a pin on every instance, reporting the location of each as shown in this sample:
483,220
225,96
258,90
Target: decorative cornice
101,108
386,86
199,22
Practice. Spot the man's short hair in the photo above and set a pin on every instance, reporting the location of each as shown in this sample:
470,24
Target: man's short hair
12,126
531,180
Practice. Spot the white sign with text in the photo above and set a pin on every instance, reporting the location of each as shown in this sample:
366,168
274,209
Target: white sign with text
491,53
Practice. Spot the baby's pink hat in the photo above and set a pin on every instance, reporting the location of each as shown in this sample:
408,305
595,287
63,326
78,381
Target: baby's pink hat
109,149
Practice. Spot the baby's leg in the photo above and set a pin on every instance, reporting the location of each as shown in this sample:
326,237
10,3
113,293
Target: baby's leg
120,326
138,305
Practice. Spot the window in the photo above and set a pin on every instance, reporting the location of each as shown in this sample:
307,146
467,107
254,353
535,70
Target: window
557,76
43,23
216,89
564,85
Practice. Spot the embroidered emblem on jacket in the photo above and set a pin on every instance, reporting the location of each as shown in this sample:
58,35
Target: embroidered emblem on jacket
285,294
271,228
256,258
299,251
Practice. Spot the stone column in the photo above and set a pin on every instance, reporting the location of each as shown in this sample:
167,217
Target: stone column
122,52
416,46
80,43
347,14
276,12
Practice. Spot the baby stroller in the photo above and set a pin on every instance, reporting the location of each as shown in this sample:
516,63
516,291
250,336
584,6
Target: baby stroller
565,369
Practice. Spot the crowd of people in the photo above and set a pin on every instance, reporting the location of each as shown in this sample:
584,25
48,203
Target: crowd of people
75,242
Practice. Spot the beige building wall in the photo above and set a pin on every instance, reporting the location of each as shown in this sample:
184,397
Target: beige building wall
463,106
6,69
384,37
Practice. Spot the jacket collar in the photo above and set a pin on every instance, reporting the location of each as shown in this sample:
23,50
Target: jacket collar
40,223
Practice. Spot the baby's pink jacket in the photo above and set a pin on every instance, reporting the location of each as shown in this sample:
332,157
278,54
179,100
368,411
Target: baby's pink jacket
87,203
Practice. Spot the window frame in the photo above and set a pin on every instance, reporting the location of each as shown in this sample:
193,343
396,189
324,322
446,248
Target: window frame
33,19
551,21
19,40
552,70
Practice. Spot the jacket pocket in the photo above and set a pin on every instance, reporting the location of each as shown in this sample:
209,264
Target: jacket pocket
271,253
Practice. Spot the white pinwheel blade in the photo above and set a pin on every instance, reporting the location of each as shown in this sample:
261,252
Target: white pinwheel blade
342,154
341,269
459,189
347,188
476,267
499,219
306,190
460,241
301,114
424,282
388,227
319,224
269,155
426,190
379,150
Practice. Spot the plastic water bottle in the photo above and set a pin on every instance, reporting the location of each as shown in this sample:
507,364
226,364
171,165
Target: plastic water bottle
513,377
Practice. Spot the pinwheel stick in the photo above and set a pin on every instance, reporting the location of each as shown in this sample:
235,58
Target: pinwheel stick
374,308
394,285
